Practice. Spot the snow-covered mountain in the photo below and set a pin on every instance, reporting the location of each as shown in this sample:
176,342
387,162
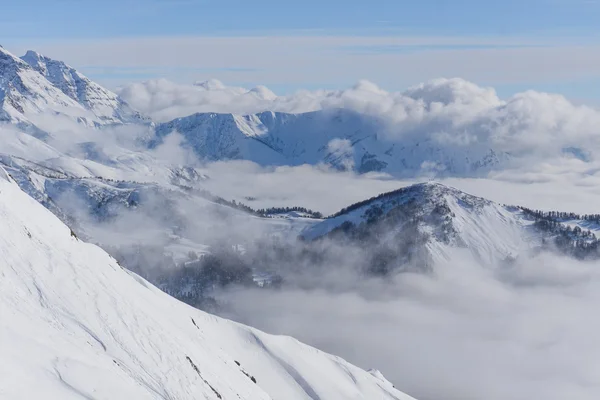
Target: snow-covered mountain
106,105
24,91
342,138
36,86
429,222
75,324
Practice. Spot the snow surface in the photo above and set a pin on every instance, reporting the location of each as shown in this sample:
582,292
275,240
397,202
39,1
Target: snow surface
74,324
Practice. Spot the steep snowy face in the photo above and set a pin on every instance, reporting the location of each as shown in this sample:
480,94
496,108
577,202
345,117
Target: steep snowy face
429,221
341,138
76,325
23,91
217,137
106,105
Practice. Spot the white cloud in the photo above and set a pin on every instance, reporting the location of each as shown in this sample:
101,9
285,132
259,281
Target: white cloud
165,100
449,98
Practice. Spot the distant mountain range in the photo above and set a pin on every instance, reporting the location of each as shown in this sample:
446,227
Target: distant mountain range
340,138
34,87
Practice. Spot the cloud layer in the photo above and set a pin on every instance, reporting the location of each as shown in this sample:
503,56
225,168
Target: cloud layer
468,332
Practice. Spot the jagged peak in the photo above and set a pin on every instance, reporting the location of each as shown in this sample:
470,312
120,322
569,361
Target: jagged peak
32,54
107,106
41,63
35,57
36,61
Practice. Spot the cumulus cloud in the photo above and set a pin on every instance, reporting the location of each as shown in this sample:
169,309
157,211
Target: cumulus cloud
164,100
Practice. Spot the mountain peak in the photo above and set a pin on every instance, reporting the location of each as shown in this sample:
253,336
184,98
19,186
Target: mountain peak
421,192
36,61
25,92
430,219
32,54
105,105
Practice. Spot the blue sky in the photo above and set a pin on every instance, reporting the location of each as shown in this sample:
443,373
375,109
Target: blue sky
427,31
87,18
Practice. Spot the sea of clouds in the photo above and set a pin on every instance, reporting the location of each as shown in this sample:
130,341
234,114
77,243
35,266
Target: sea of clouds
465,332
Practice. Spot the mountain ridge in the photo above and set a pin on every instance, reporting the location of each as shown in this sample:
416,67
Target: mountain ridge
341,138
439,218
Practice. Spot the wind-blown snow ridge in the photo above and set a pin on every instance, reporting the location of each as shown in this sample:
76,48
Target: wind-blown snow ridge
76,325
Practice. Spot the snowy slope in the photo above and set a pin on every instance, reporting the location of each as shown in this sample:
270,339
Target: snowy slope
105,105
341,138
175,218
76,325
